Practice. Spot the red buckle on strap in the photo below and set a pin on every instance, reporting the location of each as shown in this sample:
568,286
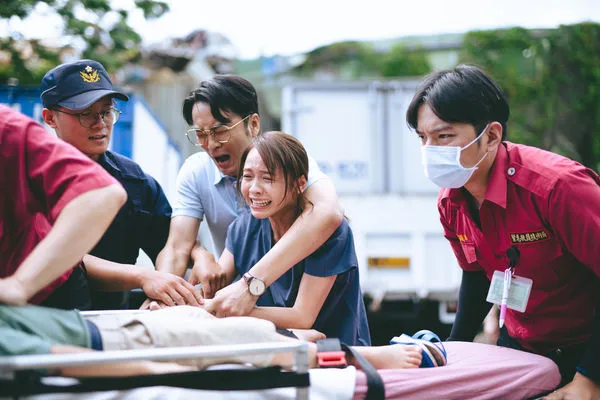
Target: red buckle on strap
331,359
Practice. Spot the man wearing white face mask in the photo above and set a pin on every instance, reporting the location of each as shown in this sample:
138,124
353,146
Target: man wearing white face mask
442,164
523,224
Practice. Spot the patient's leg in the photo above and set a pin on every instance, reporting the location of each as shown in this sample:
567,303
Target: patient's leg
395,356
192,326
186,326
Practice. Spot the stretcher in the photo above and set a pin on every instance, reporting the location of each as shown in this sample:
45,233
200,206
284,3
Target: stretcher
474,371
19,375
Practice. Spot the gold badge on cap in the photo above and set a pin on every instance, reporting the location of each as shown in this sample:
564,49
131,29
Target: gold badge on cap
89,75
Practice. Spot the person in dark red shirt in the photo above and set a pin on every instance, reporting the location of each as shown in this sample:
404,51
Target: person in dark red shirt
55,204
503,202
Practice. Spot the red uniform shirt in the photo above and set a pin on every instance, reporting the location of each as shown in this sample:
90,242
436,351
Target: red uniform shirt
547,206
39,175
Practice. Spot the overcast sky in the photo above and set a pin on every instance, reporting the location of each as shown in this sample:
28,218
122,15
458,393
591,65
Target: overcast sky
287,27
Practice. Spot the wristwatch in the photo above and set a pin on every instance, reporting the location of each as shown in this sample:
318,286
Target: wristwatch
256,286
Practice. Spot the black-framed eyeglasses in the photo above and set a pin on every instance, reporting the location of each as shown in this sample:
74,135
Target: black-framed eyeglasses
220,133
87,119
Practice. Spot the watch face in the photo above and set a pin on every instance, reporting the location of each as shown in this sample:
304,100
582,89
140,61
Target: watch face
256,287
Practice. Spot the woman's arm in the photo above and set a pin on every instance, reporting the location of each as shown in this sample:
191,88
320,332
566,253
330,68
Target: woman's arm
312,293
321,217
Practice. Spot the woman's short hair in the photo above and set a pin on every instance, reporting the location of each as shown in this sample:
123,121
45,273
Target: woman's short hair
279,150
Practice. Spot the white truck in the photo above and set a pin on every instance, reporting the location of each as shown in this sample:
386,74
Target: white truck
358,134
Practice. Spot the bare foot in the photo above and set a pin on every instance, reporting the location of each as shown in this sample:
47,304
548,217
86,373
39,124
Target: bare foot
393,356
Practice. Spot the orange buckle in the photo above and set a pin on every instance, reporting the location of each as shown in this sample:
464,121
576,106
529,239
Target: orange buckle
331,359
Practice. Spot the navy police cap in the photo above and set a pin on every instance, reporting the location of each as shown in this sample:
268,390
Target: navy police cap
77,85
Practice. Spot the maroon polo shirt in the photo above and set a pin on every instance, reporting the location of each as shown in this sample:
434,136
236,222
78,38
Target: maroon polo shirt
548,206
39,175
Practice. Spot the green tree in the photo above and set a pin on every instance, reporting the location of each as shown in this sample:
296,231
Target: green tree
552,81
574,68
103,29
349,60
401,62
511,57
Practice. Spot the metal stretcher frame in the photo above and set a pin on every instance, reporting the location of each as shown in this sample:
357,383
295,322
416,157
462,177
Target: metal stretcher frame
11,365
92,314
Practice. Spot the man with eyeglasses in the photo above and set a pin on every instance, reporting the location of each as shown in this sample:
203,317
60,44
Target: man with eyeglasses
78,99
223,117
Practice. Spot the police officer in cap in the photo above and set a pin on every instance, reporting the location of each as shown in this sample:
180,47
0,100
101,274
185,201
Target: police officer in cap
79,104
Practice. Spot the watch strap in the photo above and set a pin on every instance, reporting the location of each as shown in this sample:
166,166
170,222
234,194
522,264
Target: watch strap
249,278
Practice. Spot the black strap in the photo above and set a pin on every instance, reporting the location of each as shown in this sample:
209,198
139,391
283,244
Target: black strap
375,386
27,383
326,345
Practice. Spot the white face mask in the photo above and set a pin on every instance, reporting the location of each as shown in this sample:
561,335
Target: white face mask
442,164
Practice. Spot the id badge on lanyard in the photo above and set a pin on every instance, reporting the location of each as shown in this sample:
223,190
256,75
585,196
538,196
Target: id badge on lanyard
509,290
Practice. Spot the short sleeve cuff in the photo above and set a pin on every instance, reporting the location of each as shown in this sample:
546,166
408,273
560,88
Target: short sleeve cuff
91,183
187,212
314,172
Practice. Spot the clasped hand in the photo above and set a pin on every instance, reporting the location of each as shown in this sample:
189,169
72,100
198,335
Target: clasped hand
169,289
210,275
232,300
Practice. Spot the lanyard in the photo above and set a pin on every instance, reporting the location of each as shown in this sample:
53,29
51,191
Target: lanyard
513,255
